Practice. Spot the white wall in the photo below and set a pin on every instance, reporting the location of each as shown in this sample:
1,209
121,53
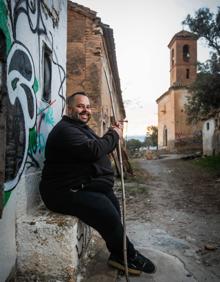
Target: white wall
207,134
30,118
7,239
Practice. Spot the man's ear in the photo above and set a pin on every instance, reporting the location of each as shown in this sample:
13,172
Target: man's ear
68,110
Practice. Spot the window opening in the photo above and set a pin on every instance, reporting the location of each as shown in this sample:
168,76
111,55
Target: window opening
207,125
186,53
172,57
165,136
47,75
187,73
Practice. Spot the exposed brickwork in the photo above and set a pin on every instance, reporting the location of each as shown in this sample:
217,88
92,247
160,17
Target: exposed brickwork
91,65
179,68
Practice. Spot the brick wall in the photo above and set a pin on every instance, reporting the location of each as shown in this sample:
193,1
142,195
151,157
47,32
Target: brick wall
88,65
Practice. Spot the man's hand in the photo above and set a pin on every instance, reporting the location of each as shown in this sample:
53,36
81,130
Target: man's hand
118,127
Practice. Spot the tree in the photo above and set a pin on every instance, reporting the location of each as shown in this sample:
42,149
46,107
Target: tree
207,26
151,138
205,90
205,97
133,145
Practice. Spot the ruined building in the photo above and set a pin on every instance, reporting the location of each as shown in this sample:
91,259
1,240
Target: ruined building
174,134
92,65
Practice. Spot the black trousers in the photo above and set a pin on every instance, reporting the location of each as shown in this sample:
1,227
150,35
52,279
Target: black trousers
97,209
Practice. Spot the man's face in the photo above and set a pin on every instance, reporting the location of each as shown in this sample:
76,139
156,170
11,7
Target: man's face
80,108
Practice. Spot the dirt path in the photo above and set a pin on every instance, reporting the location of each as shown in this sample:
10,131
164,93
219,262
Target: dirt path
176,210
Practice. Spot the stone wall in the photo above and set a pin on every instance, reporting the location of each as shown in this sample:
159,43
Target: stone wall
84,58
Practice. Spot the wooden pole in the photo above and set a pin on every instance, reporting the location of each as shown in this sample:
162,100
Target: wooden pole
123,189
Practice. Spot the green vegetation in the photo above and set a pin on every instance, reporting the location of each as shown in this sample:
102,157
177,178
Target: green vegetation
151,138
205,90
137,149
137,189
133,146
140,175
136,184
211,163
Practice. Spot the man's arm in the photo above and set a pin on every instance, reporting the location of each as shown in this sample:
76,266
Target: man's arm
83,148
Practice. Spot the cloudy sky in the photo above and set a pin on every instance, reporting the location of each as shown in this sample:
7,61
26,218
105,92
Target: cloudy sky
142,31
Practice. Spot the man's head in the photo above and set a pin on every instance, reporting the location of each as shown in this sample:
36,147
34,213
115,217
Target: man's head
78,107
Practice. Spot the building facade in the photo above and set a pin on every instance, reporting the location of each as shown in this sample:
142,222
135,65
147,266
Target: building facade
208,132
92,65
32,99
174,134
211,134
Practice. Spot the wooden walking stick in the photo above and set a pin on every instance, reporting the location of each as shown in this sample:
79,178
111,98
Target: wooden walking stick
123,190
123,211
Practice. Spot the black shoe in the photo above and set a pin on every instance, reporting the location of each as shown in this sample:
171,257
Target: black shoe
142,263
118,263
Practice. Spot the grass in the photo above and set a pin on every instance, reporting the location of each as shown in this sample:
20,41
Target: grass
136,184
138,181
211,163
136,189
140,175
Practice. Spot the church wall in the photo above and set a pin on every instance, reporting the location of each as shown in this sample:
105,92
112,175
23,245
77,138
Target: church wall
172,119
182,129
166,119
187,136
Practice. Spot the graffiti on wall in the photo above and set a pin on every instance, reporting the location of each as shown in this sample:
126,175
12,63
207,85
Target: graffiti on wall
21,111
196,134
37,139
83,238
29,118
179,135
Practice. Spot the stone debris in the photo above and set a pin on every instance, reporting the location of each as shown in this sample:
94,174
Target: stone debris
210,247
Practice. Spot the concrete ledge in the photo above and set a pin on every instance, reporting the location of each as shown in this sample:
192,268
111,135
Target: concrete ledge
50,246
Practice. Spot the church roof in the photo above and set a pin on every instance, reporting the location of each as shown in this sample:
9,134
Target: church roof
162,96
183,34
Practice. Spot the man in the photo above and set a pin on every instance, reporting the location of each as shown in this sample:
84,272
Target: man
77,179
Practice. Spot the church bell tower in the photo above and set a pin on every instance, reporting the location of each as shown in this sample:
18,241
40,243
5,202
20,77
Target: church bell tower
183,58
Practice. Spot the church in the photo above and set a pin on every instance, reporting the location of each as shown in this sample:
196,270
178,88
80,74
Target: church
174,133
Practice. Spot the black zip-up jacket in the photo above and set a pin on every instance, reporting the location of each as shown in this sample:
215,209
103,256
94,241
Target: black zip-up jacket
75,155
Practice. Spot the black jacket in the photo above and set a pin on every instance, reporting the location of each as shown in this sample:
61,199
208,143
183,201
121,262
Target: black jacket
75,155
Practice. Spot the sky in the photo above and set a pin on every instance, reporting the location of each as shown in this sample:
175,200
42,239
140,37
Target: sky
142,30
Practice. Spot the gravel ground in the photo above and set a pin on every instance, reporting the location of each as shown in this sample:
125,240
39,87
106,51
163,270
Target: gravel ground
174,206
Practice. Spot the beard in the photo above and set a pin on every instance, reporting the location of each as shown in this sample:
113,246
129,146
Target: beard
79,116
